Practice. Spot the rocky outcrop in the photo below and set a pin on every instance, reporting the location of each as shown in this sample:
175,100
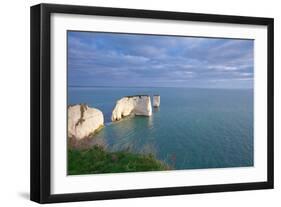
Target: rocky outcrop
83,121
136,105
156,101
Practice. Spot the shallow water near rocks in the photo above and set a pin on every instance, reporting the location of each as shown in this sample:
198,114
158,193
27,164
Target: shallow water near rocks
192,129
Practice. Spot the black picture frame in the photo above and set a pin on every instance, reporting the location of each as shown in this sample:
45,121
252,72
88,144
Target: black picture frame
41,99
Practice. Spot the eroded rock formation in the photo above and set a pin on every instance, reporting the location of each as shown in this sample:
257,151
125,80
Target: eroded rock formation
136,105
83,121
156,101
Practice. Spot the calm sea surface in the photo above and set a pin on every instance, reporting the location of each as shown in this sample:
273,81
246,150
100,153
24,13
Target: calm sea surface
192,129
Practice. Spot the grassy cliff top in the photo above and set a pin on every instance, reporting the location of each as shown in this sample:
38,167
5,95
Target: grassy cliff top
97,160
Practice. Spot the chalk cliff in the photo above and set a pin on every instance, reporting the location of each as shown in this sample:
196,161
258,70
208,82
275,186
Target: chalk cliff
83,121
156,101
136,105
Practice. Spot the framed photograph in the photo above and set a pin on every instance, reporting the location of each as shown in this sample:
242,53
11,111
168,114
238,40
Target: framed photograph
133,103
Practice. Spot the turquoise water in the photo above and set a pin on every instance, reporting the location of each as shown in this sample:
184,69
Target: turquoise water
192,129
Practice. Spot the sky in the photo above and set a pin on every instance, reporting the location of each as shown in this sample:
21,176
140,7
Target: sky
133,60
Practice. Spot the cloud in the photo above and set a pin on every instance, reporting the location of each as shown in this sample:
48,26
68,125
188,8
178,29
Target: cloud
223,68
109,59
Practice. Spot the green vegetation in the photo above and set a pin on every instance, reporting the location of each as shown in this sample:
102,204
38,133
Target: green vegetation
83,108
97,160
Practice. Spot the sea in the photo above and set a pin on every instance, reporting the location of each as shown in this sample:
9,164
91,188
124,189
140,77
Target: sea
192,129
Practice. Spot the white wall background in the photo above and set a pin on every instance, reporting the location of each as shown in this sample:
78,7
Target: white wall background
14,101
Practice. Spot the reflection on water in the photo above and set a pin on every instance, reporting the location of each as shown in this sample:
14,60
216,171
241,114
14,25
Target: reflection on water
124,136
149,122
156,109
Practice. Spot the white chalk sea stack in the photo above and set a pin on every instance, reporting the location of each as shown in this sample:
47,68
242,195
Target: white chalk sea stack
136,105
156,101
83,121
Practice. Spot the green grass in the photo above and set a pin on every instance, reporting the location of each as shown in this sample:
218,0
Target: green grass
97,160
